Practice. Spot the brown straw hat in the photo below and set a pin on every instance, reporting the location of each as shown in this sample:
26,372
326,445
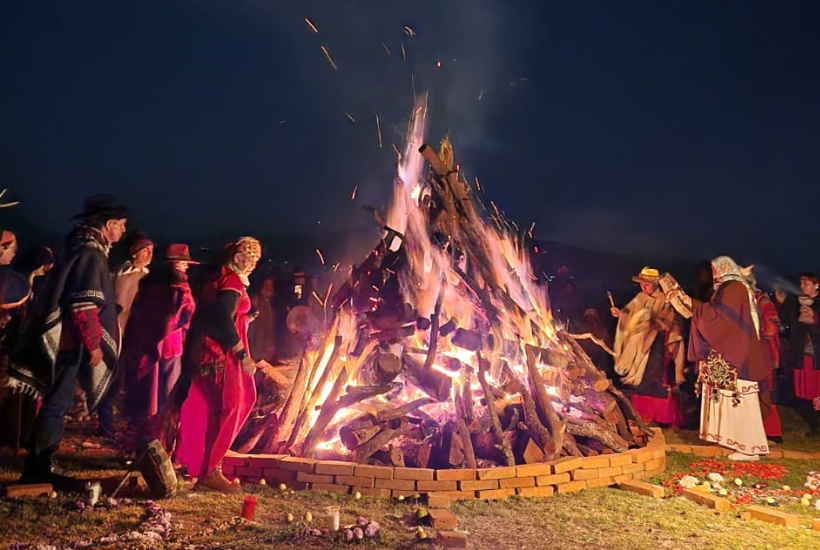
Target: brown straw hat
647,275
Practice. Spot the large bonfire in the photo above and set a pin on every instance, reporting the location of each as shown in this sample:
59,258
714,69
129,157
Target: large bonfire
441,350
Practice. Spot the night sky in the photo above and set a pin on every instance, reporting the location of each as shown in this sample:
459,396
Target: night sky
678,128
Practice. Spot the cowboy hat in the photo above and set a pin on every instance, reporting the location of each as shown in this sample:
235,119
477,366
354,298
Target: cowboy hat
178,252
101,208
647,275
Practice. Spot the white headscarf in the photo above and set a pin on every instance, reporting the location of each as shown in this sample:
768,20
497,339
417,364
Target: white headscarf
724,270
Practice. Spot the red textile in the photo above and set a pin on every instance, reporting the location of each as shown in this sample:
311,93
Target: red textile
770,338
663,410
807,380
84,329
178,323
219,402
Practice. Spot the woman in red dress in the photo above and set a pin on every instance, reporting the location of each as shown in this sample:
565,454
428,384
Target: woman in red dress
222,391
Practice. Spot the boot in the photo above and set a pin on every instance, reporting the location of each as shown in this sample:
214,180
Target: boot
42,468
215,481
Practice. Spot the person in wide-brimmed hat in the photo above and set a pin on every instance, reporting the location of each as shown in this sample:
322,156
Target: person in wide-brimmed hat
154,342
71,332
649,351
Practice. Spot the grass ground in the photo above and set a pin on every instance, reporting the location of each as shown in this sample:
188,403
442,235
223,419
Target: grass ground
593,519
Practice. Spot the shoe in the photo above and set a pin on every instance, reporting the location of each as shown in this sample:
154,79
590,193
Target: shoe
157,470
741,457
43,469
215,481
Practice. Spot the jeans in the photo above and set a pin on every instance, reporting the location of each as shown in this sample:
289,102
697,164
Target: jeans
48,429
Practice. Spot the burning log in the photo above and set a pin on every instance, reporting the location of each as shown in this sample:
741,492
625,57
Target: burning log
544,404
391,457
434,320
483,365
596,432
329,409
357,394
417,455
386,435
464,433
434,383
352,438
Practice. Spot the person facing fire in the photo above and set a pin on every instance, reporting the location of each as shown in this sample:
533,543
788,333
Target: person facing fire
649,354
8,246
803,316
217,355
724,340
153,343
71,332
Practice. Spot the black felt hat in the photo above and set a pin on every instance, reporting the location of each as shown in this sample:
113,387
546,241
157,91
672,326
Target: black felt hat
101,208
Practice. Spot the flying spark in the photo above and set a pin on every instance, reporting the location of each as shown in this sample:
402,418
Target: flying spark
348,115
379,129
396,149
403,53
477,184
321,258
480,94
386,48
318,299
353,195
409,32
438,64
311,25
329,59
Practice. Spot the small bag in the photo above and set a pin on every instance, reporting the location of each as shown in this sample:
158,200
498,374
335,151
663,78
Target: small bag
720,374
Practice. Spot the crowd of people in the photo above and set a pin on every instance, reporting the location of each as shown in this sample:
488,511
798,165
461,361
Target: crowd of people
726,353
187,356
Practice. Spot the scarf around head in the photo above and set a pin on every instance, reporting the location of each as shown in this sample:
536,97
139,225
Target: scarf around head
725,269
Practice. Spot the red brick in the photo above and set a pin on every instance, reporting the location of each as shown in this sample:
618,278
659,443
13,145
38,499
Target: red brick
396,484
424,474
438,501
707,450
313,478
599,482
580,475
679,448
496,493
595,462
554,479
358,481
229,471
773,516
659,452
540,469
546,491
28,490
815,524
640,475
799,455
248,471
265,461
402,493
571,487
334,468
496,473
436,486
483,485
235,459
566,464
376,472
373,492
455,475
453,495
708,500
622,478
642,488
515,482
279,475
640,455
452,539
329,487
608,472
443,520
632,468
619,460
297,464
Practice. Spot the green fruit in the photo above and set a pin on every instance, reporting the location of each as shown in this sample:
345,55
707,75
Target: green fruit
421,513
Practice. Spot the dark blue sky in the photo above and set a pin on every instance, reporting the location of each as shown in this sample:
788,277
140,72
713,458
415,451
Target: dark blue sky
678,128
